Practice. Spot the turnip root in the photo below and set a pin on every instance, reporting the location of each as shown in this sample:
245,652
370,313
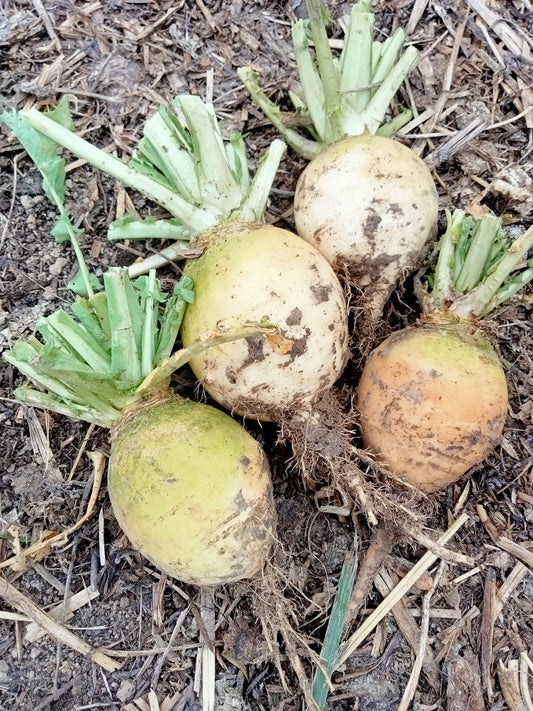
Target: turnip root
367,202
433,403
192,491
385,211
433,398
248,271
189,486
267,273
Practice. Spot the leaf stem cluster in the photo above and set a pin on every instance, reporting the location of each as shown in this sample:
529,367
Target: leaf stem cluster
475,267
339,96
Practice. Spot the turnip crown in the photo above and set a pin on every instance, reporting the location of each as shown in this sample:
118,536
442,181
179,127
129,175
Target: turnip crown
347,96
474,268
92,365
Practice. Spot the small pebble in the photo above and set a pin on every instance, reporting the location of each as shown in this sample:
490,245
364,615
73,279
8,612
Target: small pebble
58,266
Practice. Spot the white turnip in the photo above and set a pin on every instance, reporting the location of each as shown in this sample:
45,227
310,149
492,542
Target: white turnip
367,202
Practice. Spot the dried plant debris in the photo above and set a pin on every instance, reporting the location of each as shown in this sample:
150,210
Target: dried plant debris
85,621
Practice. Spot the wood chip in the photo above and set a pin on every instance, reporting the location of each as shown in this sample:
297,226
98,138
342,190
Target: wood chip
509,679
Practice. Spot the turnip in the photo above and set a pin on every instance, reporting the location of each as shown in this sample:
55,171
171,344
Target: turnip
433,398
366,201
189,486
248,270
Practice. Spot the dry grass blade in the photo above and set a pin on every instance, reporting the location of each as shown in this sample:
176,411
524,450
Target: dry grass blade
399,591
208,663
410,689
61,612
408,628
26,605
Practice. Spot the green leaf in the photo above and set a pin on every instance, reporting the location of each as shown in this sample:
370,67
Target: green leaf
61,114
43,152
64,229
79,284
172,318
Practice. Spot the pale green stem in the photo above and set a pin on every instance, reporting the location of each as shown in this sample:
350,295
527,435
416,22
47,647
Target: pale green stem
481,243
147,229
177,250
44,401
356,58
311,83
391,128
149,327
443,288
76,337
481,299
390,51
125,356
238,160
305,147
379,104
162,373
162,147
514,285
328,73
254,204
196,218
47,381
217,185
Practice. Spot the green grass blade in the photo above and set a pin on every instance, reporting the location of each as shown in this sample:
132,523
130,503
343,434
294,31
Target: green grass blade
334,633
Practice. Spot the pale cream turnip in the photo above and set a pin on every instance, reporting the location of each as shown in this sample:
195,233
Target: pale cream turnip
259,273
366,201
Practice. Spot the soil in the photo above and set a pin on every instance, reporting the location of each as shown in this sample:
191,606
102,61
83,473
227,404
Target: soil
118,61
